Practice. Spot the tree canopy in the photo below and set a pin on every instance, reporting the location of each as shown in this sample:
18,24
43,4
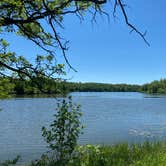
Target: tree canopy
28,18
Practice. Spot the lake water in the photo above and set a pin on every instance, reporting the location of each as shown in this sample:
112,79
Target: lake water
109,117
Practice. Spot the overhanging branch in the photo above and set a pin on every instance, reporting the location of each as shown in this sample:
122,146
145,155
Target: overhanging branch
128,23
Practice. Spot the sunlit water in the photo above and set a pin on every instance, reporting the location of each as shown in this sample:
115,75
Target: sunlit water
109,118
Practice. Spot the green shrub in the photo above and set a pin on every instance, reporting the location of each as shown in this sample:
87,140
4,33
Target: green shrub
10,162
63,133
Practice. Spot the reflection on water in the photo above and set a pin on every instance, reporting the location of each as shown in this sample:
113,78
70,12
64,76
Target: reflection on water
109,117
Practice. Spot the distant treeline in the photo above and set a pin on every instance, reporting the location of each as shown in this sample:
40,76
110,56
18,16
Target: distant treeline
53,87
100,87
47,86
19,87
155,87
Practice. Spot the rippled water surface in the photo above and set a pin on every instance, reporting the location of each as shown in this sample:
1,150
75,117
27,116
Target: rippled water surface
109,117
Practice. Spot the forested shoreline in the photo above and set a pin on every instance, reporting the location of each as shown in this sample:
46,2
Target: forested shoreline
47,86
155,87
28,87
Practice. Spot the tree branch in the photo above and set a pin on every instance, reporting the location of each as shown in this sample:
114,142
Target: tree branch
128,23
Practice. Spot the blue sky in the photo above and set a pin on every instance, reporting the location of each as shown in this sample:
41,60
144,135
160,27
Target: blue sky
106,52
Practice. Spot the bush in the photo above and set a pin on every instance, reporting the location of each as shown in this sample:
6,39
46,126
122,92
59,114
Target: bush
10,162
63,133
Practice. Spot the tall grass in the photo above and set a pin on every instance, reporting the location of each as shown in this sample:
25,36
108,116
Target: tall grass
147,154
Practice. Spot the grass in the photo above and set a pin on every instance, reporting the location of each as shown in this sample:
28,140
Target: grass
147,154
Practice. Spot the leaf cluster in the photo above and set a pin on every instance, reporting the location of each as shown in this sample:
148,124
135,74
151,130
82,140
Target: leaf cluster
64,131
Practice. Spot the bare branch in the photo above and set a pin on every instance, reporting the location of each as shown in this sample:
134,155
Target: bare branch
60,44
129,24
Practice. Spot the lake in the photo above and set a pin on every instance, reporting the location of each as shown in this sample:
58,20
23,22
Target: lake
109,117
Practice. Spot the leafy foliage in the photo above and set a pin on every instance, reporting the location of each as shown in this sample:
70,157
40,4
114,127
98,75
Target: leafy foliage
28,19
64,132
